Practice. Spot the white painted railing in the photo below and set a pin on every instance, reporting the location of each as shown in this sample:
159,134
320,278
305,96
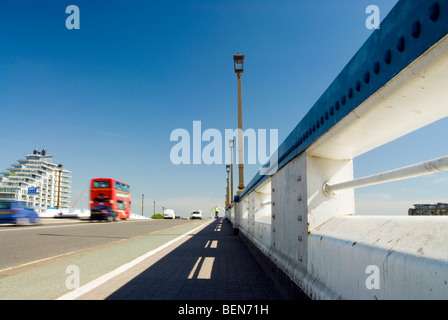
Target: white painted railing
416,170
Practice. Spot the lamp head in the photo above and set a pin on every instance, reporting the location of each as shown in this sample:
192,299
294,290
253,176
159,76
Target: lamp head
238,63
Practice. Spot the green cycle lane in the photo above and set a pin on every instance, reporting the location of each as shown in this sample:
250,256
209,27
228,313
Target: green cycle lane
49,281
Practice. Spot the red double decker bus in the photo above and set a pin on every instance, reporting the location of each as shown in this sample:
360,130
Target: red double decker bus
116,194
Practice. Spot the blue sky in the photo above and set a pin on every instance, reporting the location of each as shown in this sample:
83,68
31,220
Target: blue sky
104,99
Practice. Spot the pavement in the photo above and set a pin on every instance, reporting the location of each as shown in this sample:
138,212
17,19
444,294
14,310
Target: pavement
209,264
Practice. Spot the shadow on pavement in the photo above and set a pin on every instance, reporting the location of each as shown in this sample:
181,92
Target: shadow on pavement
212,265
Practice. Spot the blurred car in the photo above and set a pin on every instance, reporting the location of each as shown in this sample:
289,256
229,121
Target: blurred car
17,212
169,214
103,212
196,214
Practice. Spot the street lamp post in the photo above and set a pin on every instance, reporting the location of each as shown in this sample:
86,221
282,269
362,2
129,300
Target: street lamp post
143,196
239,67
231,142
227,193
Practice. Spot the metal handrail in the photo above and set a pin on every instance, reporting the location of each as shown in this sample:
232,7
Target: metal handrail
412,171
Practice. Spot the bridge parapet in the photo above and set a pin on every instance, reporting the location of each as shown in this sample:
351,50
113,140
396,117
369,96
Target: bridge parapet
394,85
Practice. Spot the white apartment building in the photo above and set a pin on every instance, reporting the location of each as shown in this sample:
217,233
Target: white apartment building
35,180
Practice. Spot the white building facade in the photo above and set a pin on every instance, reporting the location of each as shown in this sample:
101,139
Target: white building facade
38,181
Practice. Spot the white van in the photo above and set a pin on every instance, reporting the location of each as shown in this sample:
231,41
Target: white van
196,214
169,214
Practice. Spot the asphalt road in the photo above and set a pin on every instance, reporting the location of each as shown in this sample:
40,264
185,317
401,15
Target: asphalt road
37,262
24,245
